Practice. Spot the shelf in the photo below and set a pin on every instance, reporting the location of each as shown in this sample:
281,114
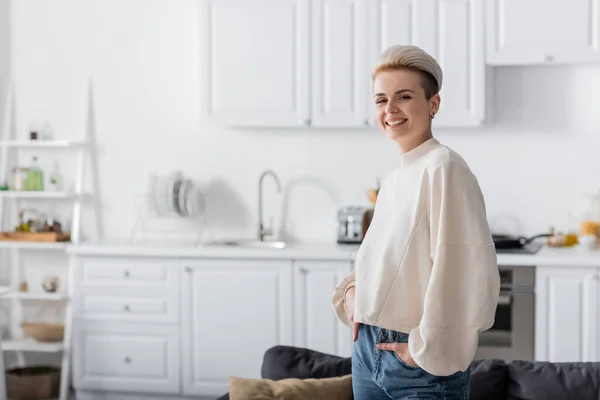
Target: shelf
35,194
35,296
39,144
31,345
34,245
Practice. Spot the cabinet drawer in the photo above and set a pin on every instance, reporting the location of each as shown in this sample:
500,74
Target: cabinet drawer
116,274
164,308
129,358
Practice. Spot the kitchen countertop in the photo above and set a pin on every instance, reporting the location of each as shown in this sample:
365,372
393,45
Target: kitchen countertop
152,248
562,257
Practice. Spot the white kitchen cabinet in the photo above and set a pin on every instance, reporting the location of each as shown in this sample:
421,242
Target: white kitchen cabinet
290,63
316,326
567,314
126,289
254,58
232,312
522,32
339,63
456,41
122,357
452,32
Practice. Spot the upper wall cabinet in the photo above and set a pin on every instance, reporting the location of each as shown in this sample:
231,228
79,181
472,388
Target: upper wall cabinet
339,63
452,32
522,32
294,63
254,57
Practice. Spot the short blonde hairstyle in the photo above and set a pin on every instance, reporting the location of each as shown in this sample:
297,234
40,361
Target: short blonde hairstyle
414,58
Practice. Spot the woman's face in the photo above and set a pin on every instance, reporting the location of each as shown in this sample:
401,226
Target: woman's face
402,108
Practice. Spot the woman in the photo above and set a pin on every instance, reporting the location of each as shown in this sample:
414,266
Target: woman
426,280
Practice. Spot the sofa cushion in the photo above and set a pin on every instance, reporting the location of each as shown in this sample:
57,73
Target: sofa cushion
281,362
488,380
339,388
548,381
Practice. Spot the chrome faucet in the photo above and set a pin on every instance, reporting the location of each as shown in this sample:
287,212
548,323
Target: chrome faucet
262,231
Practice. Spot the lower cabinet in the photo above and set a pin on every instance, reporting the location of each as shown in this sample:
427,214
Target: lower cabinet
126,357
567,314
315,324
158,338
232,312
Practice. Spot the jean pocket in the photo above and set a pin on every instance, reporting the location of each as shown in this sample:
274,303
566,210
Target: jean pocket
404,363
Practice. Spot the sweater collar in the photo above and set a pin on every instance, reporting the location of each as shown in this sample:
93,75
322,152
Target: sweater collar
418,152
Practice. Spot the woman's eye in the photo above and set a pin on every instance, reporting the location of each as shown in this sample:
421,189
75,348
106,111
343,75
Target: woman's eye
380,101
404,97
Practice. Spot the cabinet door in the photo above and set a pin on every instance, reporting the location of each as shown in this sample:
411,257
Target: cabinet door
316,326
566,323
452,32
232,312
459,49
254,62
122,357
339,61
521,32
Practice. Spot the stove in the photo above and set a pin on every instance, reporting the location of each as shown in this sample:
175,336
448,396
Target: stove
530,248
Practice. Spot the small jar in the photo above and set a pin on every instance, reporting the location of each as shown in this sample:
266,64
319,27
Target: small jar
20,178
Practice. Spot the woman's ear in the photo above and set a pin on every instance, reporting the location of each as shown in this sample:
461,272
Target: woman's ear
435,103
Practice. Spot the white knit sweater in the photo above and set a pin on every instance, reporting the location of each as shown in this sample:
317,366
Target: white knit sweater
427,265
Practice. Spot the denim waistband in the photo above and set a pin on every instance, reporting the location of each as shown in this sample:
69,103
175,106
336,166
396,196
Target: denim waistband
389,335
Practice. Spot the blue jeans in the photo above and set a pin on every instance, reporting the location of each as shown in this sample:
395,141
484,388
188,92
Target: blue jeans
382,375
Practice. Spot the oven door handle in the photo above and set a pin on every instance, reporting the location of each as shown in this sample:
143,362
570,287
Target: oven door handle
505,299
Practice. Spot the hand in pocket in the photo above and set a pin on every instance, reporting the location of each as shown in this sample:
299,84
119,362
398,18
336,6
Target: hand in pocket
401,349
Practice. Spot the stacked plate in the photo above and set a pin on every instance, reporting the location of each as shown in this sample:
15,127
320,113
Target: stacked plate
175,194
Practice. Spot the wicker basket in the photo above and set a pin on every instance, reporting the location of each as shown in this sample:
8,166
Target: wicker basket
32,383
44,332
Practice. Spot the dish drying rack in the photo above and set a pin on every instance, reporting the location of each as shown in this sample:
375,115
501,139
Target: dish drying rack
173,206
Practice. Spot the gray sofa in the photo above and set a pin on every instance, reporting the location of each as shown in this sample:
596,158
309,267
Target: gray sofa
490,379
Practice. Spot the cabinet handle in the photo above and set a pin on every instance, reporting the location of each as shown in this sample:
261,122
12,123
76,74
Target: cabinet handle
127,308
127,360
188,269
549,58
306,121
126,274
366,122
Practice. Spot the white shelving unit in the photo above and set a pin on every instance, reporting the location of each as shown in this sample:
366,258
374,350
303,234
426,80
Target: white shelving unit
86,152
42,144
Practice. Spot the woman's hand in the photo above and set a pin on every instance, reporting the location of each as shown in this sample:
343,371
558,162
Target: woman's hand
401,349
349,299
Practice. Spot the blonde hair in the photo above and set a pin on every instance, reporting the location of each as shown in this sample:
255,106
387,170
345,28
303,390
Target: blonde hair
414,58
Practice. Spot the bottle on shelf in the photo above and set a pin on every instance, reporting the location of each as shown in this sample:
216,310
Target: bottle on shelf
55,178
35,176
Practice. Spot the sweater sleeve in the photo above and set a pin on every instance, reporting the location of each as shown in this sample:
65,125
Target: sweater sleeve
339,299
462,294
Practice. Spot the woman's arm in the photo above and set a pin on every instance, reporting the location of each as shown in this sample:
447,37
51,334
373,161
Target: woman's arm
339,299
464,285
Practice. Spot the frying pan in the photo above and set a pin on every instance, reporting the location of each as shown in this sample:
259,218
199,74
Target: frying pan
514,242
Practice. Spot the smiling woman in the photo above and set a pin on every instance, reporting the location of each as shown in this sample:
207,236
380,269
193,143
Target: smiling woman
426,281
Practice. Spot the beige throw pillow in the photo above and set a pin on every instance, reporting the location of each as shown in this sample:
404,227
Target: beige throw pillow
339,388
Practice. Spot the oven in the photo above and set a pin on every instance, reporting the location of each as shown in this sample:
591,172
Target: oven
512,335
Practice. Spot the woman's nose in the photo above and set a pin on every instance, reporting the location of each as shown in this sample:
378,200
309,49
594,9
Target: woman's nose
391,107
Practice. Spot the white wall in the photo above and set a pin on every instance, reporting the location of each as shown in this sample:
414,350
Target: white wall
143,58
4,50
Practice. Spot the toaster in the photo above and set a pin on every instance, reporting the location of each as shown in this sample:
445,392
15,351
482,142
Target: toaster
353,222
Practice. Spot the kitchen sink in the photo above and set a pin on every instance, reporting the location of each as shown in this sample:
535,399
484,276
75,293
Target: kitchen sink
253,243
